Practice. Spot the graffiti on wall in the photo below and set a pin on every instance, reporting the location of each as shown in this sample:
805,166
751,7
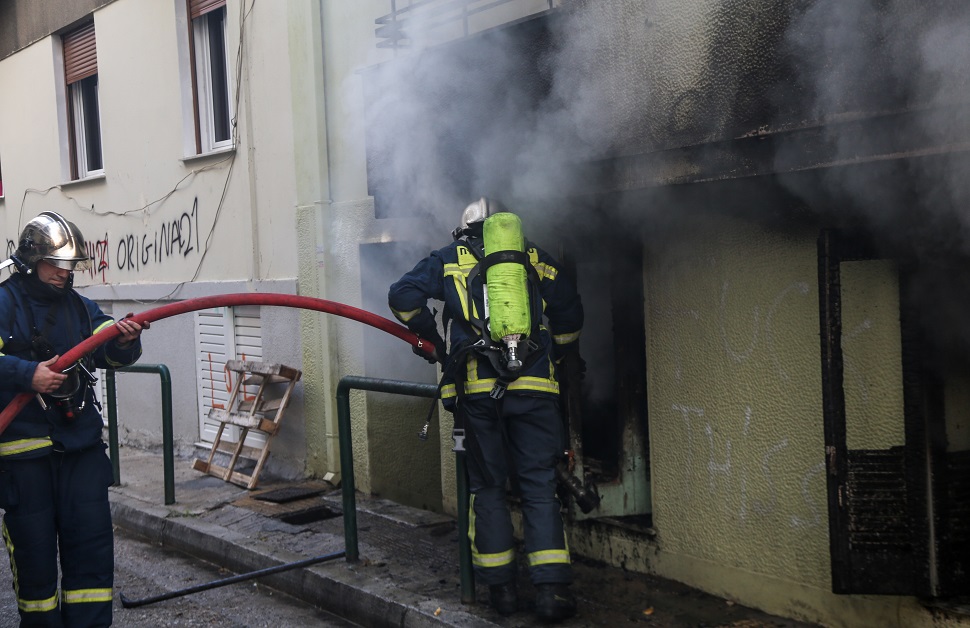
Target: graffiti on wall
174,239
98,252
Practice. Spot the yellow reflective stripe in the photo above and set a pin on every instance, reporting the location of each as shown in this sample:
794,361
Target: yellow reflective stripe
549,557
79,596
14,447
13,564
485,560
536,384
405,316
107,323
462,293
493,560
471,523
38,606
565,339
471,369
466,257
545,271
449,391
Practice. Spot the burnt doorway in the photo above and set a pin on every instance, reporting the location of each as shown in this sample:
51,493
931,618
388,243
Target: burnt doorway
607,412
891,511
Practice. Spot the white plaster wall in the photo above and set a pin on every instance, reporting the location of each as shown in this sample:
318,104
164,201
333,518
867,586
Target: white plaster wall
229,218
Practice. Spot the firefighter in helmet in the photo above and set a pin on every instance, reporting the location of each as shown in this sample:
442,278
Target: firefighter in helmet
509,414
54,474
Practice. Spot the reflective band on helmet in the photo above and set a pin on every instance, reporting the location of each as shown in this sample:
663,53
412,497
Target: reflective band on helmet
79,596
549,557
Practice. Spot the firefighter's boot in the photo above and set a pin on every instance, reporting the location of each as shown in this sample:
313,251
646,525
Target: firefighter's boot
504,598
554,602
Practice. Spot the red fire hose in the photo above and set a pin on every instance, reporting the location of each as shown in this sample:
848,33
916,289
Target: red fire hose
222,300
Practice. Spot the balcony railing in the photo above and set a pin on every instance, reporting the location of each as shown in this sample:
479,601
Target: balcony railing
413,22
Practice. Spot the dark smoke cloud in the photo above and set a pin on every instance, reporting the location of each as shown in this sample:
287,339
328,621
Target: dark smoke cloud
868,59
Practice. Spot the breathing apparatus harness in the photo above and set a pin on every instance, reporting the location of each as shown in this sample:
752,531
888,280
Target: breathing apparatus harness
508,359
71,398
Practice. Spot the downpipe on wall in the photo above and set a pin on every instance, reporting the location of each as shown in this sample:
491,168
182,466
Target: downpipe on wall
223,300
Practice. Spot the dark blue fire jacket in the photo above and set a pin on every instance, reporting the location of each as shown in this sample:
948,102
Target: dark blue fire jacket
444,276
35,431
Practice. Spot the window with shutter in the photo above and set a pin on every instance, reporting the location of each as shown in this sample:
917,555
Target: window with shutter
213,106
881,521
83,113
223,334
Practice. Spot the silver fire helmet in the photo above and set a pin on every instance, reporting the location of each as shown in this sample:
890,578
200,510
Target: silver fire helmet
54,239
475,215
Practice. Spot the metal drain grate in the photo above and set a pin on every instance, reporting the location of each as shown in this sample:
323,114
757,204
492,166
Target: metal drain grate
309,515
289,494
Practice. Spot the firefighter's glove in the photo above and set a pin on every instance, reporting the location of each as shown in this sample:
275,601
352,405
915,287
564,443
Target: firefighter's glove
579,362
568,358
439,355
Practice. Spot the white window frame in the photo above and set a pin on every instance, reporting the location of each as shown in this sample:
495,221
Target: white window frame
82,117
205,81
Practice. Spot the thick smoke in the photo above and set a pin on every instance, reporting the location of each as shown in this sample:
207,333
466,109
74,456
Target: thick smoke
891,58
535,117
908,62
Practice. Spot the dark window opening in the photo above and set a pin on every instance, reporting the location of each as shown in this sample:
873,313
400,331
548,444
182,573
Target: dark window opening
216,24
613,403
90,119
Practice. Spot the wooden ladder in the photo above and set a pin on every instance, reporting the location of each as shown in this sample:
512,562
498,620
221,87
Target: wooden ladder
262,413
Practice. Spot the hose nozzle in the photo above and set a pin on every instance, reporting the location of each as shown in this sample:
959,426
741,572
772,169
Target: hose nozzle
585,494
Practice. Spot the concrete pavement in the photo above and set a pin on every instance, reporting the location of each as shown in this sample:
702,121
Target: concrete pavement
408,572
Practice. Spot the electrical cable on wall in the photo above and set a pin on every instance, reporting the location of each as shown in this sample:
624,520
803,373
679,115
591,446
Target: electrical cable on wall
231,159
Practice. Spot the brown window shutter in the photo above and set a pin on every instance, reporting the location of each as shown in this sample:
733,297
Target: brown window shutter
80,54
201,7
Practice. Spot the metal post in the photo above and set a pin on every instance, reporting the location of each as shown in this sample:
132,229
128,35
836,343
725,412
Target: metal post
109,381
168,439
348,383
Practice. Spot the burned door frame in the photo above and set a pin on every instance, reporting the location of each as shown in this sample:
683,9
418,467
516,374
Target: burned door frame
623,483
879,500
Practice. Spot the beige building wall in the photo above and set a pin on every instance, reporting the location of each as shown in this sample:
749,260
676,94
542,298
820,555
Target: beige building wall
736,433
163,223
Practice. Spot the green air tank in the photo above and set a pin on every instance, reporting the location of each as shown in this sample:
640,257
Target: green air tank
507,285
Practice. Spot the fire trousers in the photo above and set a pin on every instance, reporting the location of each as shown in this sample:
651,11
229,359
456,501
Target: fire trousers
521,436
60,500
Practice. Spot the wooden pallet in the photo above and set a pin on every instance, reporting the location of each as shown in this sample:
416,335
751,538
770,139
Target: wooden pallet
262,412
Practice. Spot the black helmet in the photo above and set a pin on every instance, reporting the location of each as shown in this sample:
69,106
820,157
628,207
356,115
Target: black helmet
54,239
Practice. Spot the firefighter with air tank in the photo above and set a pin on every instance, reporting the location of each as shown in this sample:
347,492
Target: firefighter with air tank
500,383
54,474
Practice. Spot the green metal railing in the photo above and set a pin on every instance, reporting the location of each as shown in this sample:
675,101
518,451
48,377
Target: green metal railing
348,486
168,455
